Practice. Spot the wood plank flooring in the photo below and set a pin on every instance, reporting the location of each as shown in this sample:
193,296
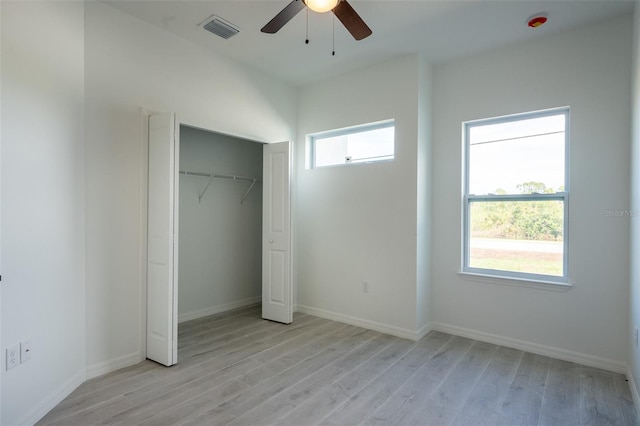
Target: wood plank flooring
236,369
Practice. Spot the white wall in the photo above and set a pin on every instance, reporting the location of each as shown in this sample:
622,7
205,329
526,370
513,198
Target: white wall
589,70
423,212
43,210
358,222
131,64
220,239
634,265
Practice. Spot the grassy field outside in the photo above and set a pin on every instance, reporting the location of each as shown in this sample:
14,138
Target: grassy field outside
533,262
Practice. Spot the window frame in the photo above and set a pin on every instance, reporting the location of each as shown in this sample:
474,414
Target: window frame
468,199
361,128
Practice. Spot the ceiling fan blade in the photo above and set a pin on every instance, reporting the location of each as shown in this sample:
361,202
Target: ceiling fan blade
283,17
351,20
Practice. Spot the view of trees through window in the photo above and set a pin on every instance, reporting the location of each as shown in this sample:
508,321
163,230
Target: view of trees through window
515,194
522,236
528,220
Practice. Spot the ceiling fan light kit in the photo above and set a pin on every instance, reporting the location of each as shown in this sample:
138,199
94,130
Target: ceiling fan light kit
321,6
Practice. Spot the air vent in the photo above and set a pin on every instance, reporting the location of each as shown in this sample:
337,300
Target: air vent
220,27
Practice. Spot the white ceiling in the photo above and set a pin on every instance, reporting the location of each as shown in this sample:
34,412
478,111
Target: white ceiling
442,30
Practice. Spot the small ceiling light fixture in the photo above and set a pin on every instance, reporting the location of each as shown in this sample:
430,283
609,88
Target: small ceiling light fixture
321,6
537,20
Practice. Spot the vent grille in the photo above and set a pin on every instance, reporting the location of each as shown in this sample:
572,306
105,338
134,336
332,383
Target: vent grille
220,27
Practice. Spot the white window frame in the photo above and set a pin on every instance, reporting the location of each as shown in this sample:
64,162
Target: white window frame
468,199
312,141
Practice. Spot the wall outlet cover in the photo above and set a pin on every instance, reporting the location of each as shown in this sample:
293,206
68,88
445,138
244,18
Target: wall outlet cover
13,357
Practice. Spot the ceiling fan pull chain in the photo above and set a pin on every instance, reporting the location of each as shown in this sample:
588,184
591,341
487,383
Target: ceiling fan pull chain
333,35
307,39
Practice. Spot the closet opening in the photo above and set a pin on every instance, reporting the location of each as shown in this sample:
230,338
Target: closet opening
218,234
220,238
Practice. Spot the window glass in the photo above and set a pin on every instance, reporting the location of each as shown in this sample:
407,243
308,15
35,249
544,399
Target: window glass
361,144
515,203
504,156
517,236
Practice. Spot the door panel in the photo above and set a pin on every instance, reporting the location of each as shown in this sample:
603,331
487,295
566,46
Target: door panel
277,265
276,235
162,218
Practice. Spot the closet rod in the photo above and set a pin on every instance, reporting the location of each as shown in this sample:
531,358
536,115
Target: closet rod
218,175
222,176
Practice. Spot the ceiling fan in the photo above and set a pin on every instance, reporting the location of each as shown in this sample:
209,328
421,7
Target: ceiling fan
340,8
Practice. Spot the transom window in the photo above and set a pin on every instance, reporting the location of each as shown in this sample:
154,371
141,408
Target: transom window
516,196
360,144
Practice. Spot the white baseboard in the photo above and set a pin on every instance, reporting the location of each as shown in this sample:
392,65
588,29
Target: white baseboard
188,316
47,404
634,390
423,331
370,325
553,352
114,364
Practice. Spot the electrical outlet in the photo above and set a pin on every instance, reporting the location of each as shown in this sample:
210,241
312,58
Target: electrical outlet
25,351
13,357
365,286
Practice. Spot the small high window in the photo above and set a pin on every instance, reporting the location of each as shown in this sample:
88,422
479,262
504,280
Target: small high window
516,196
360,144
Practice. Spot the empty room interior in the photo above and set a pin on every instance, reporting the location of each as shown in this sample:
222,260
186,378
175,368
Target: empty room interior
319,212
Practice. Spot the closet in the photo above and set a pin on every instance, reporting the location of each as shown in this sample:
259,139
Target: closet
220,222
218,229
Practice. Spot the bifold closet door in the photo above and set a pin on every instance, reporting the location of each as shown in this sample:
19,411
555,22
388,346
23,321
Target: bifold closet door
162,240
276,235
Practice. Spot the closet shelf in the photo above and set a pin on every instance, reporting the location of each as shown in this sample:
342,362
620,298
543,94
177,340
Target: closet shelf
211,176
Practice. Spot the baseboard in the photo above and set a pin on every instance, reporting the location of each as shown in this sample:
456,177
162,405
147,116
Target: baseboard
114,364
634,390
550,351
423,331
188,316
370,325
47,404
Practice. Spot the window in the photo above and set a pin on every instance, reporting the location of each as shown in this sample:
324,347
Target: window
515,196
360,144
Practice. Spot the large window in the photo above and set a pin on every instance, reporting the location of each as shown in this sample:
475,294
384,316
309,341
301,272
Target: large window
516,196
361,144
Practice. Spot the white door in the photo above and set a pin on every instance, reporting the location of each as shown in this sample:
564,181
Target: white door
276,235
162,240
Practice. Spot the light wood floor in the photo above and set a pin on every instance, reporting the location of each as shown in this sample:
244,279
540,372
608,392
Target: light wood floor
236,369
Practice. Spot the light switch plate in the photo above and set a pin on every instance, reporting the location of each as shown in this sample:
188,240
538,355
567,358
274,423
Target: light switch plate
25,351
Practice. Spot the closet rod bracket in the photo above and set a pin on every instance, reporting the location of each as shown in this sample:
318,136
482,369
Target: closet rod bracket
206,187
248,191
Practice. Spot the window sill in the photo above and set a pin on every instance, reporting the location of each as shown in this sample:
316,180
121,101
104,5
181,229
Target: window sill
516,282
